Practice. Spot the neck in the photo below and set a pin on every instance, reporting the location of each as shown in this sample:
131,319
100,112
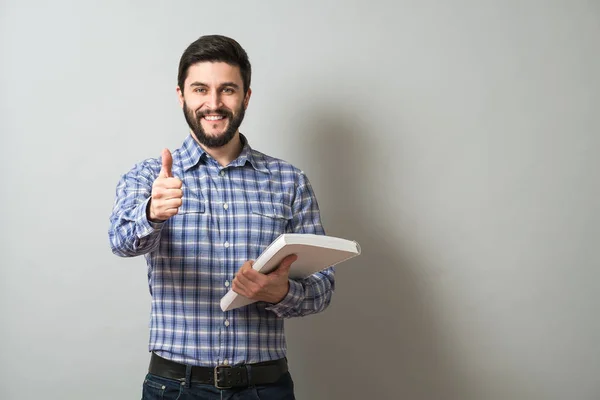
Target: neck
224,155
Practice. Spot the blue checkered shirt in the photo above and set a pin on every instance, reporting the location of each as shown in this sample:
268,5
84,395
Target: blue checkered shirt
229,215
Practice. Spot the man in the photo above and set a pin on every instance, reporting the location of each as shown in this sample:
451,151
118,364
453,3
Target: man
200,215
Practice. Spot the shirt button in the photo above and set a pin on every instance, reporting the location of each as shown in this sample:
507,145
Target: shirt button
222,173
226,323
226,362
226,206
226,244
226,283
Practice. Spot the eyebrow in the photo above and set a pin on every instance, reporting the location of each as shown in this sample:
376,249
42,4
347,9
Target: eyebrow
224,84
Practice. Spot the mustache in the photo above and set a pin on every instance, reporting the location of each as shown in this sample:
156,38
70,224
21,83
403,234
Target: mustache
219,111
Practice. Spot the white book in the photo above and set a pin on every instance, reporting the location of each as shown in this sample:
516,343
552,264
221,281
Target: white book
315,253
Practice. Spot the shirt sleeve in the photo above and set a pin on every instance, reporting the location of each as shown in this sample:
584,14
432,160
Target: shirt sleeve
130,232
312,294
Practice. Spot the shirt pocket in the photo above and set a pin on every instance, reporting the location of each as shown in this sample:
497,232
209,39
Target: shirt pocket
192,203
187,234
268,221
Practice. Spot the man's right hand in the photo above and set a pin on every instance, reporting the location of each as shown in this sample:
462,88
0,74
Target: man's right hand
166,192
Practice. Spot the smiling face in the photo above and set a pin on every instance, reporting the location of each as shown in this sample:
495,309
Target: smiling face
214,102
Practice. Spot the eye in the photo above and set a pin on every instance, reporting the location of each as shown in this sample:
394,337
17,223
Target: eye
228,90
200,90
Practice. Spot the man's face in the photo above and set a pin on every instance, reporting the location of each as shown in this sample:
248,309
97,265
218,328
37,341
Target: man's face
213,102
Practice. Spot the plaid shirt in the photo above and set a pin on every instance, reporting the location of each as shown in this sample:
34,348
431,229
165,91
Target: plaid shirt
229,215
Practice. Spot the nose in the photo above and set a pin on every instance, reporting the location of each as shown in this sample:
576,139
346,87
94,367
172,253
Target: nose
214,100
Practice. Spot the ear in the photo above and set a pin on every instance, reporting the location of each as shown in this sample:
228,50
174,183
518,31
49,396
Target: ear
180,96
247,98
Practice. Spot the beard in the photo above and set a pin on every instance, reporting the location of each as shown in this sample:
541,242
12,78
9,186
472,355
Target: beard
194,120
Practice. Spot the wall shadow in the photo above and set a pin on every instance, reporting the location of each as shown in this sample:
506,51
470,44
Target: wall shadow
379,338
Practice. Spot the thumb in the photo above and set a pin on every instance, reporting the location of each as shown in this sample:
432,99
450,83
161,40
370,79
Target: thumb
167,164
285,265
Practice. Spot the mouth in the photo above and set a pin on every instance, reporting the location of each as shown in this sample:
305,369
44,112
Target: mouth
214,117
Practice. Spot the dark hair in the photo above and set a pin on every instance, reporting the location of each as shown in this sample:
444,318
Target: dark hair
215,48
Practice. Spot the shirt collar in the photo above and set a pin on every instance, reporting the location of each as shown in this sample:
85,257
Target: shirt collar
192,153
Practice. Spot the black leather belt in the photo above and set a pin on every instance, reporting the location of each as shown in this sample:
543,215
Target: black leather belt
222,376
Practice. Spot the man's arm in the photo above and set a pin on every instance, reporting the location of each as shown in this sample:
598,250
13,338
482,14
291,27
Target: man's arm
312,294
144,200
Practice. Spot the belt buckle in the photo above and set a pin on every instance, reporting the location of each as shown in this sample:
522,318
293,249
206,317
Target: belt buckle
216,376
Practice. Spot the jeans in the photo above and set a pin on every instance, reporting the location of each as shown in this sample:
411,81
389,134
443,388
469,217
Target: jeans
158,388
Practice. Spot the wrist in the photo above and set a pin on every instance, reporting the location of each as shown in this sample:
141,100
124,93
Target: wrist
284,291
149,215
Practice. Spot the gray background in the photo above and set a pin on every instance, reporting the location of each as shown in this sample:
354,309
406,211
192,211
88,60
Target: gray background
455,140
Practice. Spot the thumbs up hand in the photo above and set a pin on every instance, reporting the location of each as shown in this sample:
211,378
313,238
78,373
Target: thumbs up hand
166,192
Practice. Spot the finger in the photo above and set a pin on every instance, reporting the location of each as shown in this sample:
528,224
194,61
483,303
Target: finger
163,214
168,194
240,288
286,263
289,260
172,203
173,183
245,269
163,185
167,164
248,264
162,193
253,276
246,278
168,213
178,183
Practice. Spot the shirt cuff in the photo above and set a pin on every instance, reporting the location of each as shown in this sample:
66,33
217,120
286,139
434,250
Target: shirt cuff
292,299
145,226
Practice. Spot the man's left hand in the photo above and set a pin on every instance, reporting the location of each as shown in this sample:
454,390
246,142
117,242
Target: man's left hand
272,287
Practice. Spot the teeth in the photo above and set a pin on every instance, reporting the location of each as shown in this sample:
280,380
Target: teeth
213,117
